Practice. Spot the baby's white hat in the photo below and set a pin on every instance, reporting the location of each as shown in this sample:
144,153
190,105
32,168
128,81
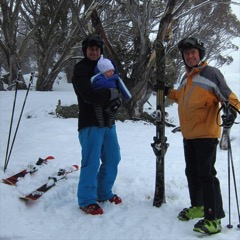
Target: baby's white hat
104,65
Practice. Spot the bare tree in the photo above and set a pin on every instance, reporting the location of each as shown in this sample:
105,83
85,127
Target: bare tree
53,38
129,29
8,42
127,26
217,25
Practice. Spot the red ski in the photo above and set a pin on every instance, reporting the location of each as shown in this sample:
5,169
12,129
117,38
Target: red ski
36,194
31,168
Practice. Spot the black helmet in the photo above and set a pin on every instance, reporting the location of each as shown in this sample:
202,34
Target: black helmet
92,40
192,42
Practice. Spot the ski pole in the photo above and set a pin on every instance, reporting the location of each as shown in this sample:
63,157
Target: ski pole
29,85
230,162
234,180
11,122
225,107
229,191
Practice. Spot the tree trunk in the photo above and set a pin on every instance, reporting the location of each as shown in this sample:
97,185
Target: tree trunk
1,84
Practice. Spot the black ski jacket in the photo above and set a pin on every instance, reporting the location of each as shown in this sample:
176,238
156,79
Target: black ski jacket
87,96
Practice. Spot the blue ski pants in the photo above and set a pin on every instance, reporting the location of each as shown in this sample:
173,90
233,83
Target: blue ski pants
99,164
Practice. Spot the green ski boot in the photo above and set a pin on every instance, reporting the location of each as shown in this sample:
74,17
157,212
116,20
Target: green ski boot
191,213
208,226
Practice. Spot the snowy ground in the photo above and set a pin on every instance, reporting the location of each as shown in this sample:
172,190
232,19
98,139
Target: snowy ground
56,214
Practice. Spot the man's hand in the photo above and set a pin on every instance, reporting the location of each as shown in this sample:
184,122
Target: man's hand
229,118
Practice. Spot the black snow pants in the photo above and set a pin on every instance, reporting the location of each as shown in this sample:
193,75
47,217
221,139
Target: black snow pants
204,186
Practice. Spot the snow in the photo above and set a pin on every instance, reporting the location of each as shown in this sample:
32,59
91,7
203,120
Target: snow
56,214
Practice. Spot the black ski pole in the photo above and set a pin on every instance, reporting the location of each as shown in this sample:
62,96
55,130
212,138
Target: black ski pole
12,116
226,111
234,180
229,191
226,107
19,120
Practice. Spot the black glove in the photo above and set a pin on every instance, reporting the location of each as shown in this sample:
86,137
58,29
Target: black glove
166,89
229,118
113,105
110,111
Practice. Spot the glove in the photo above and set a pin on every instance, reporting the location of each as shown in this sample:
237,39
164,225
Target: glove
166,89
110,111
229,118
113,105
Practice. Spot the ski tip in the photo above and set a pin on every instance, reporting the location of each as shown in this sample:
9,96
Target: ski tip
223,147
8,182
25,199
49,158
75,167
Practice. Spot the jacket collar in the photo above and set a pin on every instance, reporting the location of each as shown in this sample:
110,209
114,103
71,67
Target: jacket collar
197,69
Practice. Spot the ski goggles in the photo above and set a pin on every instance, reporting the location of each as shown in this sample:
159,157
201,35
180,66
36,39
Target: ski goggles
190,43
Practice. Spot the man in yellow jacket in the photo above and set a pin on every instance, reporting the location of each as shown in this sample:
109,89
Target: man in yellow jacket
199,95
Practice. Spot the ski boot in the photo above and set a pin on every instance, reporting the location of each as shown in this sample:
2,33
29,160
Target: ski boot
208,226
191,213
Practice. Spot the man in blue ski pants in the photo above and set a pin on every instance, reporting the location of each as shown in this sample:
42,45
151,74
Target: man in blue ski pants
100,148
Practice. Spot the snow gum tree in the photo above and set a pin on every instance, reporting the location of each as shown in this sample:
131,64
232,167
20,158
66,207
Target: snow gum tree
131,30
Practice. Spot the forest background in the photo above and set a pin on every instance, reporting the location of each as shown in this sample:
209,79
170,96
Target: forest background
45,37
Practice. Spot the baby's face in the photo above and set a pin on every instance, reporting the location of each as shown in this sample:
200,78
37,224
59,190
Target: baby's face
109,73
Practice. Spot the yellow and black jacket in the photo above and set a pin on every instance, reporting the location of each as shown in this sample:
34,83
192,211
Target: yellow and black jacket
198,97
